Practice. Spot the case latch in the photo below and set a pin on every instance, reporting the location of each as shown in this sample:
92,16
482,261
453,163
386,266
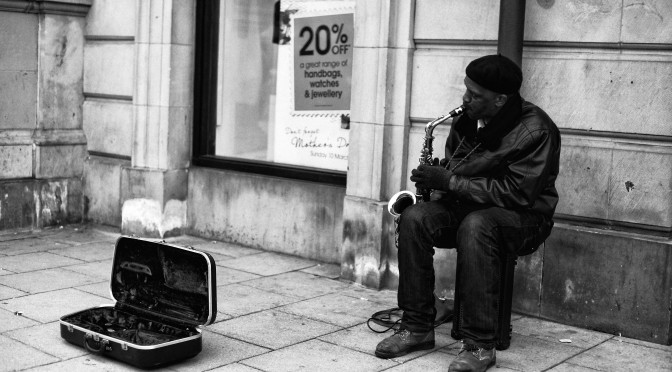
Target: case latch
99,345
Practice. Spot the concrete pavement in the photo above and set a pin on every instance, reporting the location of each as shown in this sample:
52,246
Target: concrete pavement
275,313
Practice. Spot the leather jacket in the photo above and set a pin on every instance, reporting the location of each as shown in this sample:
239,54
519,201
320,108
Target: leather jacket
517,172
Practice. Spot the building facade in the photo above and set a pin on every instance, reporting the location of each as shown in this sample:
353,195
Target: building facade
165,117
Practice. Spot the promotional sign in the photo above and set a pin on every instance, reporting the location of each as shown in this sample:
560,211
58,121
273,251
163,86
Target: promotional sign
323,62
313,85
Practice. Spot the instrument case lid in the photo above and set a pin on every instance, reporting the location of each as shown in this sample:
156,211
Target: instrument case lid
166,280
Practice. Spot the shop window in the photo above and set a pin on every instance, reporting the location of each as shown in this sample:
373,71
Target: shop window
272,87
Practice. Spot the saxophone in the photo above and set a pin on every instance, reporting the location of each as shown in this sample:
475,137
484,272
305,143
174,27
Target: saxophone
404,199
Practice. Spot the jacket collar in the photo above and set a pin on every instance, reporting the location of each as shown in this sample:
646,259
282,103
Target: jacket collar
501,124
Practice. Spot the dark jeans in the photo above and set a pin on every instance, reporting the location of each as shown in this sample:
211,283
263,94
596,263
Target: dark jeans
479,233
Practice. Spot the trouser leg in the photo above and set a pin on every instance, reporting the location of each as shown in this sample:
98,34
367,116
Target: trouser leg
422,227
481,239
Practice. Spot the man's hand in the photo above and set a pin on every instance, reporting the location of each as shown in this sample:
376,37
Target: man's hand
431,177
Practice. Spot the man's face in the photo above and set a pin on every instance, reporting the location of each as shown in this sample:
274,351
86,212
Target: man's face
481,103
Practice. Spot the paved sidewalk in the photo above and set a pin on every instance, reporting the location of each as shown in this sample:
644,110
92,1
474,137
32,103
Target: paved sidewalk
275,313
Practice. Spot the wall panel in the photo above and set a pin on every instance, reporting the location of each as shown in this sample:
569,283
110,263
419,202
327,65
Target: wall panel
111,18
573,20
109,125
616,180
456,19
647,21
108,68
601,90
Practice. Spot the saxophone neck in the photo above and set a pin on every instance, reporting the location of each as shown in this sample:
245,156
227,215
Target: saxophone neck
429,128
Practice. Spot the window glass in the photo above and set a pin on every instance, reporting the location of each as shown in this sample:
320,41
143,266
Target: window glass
283,93
247,68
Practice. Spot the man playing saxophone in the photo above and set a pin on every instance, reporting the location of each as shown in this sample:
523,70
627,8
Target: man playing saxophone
497,188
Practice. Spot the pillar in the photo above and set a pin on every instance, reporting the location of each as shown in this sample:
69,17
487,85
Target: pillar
154,186
383,54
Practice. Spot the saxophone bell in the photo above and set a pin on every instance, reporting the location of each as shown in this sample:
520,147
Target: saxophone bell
400,201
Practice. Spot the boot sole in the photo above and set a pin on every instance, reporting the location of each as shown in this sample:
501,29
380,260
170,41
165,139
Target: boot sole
492,363
422,346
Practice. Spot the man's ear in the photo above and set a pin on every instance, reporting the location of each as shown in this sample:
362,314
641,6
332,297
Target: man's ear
500,100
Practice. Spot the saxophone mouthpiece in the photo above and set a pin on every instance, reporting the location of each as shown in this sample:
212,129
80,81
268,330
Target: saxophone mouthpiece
456,112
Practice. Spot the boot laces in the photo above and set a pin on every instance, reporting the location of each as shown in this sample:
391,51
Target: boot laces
403,334
476,351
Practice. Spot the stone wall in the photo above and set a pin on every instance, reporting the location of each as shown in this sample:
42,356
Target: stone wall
42,144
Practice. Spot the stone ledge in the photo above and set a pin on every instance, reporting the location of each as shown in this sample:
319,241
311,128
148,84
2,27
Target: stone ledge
35,204
610,281
79,8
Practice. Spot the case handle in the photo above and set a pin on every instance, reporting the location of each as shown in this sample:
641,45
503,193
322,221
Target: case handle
101,344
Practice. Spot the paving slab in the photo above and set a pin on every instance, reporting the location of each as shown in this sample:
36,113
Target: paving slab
88,362
316,355
187,240
218,257
30,245
12,234
81,234
234,367
21,356
227,249
51,306
13,320
337,309
386,298
47,338
633,341
227,275
272,329
101,289
8,292
569,367
268,263
298,284
239,299
100,270
22,263
46,280
89,252
617,355
219,350
554,332
330,271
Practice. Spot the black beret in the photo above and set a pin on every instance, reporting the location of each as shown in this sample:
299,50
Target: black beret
496,73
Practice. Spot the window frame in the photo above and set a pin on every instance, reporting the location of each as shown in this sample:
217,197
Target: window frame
205,111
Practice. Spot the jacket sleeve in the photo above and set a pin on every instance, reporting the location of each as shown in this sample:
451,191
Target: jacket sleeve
519,178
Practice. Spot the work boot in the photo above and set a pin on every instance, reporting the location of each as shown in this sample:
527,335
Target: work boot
403,342
473,359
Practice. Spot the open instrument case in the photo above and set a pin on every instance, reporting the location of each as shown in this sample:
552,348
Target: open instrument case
163,293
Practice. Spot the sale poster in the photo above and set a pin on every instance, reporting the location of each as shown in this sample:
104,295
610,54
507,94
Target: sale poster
323,62
314,85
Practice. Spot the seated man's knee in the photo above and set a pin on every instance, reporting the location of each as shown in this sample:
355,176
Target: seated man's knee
476,224
413,213
412,217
